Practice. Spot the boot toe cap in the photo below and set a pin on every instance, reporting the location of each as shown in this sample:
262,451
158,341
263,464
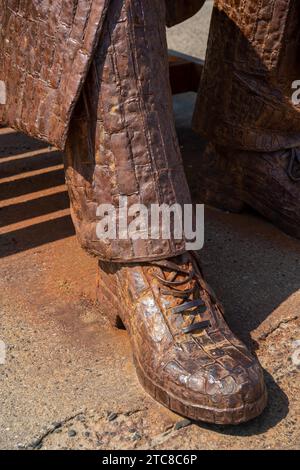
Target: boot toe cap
219,395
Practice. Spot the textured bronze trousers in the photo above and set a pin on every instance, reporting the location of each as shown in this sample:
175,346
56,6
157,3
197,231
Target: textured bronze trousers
253,57
122,140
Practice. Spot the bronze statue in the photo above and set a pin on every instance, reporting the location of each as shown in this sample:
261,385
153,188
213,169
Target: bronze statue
91,77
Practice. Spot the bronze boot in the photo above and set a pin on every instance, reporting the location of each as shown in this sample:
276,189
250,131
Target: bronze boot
186,357
269,182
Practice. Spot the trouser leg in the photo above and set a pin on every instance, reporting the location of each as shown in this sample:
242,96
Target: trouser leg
245,98
246,110
122,139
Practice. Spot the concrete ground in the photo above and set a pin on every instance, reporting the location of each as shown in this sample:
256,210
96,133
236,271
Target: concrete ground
190,37
68,380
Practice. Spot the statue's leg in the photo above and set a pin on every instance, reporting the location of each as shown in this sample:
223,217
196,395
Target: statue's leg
122,142
248,109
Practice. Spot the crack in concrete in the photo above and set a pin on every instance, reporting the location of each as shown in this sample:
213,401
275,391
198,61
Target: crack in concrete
38,443
164,436
133,412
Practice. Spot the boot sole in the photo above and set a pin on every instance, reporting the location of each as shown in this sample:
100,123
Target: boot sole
227,416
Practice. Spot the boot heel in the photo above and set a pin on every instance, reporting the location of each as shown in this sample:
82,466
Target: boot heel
106,296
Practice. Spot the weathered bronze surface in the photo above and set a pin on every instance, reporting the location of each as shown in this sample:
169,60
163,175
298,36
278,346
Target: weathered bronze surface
45,51
246,109
46,48
269,182
252,60
122,139
185,354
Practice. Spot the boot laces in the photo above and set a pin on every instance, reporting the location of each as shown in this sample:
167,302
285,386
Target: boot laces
170,288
